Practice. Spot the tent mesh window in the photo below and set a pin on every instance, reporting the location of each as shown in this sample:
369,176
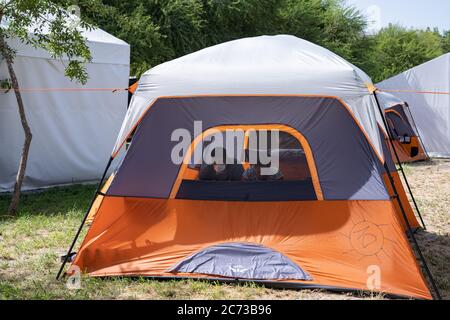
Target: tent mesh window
398,125
292,181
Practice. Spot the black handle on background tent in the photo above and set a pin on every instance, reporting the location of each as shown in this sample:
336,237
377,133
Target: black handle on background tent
67,256
410,231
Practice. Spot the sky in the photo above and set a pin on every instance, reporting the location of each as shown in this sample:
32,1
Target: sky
409,13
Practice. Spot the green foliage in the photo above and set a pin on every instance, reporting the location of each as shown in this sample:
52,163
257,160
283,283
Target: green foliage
44,24
398,49
181,22
331,24
233,19
161,30
304,18
446,42
5,84
148,47
131,22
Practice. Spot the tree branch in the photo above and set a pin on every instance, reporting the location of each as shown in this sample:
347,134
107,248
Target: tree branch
7,53
4,6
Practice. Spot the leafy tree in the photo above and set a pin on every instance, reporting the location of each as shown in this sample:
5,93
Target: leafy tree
446,41
181,22
344,34
42,24
159,30
305,18
233,19
331,24
129,21
148,45
398,49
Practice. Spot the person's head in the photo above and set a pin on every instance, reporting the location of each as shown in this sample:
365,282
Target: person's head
219,159
218,155
252,157
268,170
256,167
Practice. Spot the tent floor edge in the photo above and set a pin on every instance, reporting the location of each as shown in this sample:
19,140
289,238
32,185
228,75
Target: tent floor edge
279,285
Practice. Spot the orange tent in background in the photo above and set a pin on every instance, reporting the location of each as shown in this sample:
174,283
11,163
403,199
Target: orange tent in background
332,215
401,124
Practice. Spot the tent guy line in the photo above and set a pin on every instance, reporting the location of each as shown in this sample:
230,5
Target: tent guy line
413,91
62,89
128,89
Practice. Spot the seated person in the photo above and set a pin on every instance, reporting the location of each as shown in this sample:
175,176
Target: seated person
221,170
253,173
405,139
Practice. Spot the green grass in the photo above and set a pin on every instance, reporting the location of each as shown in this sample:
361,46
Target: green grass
31,245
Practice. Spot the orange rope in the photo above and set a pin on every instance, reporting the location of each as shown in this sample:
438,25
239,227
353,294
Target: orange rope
62,89
127,89
413,91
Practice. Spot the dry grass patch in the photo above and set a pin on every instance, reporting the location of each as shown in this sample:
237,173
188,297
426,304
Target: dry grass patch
430,183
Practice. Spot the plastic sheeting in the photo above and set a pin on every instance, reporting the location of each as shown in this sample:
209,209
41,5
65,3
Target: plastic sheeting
270,65
431,112
242,261
73,132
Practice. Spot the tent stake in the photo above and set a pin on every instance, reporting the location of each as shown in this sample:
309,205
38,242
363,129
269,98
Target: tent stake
66,257
399,162
410,232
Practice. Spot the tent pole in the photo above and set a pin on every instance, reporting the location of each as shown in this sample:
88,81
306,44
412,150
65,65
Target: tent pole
66,258
398,161
410,232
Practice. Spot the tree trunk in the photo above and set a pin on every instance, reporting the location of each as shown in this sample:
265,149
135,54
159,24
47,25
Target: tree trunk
7,54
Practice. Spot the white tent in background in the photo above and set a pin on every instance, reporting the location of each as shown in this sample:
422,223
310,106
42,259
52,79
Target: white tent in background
73,131
430,111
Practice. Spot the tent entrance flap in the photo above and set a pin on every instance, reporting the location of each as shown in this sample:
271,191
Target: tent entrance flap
241,261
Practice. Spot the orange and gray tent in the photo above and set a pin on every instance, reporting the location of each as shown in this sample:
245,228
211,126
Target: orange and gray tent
337,220
407,142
